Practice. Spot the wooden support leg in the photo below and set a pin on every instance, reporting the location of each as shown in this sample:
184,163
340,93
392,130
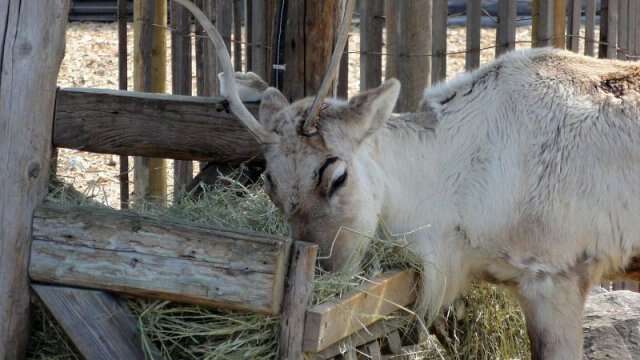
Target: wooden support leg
31,49
297,296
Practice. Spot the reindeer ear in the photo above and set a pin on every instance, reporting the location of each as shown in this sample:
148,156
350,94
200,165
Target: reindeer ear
372,108
272,102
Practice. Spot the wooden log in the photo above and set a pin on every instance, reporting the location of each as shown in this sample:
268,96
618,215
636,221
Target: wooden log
573,28
136,255
371,26
474,16
120,122
100,326
32,38
181,83
123,12
506,29
439,42
559,23
590,26
413,40
328,323
149,75
298,294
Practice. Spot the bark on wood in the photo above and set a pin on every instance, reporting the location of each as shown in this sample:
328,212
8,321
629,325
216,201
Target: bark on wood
149,75
439,49
31,49
371,26
100,326
132,254
181,84
298,294
474,16
152,125
506,29
123,85
328,323
413,41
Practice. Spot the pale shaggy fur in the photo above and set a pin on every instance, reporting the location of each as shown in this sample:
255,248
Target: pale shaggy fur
527,171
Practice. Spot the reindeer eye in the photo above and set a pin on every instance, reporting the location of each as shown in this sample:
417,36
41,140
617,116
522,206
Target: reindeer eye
338,183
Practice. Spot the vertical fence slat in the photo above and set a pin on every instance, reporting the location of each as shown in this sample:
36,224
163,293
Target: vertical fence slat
623,29
181,83
439,42
371,26
261,29
604,25
590,27
123,85
559,23
636,24
474,16
612,29
573,27
237,34
632,23
248,26
542,29
506,29
413,36
390,15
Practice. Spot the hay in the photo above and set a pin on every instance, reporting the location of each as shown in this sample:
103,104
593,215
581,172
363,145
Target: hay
492,327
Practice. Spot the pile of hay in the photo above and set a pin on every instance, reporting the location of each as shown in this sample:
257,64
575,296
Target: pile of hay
491,328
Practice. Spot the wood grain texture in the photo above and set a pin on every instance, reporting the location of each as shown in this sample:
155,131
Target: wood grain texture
123,85
612,29
100,326
32,38
559,23
152,125
506,29
371,26
328,323
262,14
474,16
573,27
439,46
297,296
128,253
623,29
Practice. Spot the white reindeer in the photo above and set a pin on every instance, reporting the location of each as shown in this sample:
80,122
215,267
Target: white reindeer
527,170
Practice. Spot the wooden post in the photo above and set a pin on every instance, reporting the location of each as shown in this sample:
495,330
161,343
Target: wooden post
559,23
390,15
612,29
413,40
237,34
309,33
573,28
371,26
123,85
506,29
261,34
32,38
248,49
474,16
604,26
623,29
149,75
181,83
298,291
439,49
632,25
542,22
590,25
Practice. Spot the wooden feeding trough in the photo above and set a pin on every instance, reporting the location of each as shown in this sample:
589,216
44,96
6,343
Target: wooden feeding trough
113,251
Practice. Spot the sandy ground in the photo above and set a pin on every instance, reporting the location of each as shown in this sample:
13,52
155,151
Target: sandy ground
91,60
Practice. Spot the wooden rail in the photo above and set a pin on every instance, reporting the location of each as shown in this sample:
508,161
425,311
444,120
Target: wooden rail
151,125
123,252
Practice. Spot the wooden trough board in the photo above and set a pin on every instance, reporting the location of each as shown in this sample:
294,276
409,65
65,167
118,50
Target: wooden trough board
127,253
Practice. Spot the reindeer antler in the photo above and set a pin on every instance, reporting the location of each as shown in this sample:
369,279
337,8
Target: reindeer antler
310,126
237,107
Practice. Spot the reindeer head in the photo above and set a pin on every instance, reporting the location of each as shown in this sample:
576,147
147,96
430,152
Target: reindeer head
311,149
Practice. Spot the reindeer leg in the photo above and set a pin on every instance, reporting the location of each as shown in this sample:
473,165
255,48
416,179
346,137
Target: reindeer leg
553,306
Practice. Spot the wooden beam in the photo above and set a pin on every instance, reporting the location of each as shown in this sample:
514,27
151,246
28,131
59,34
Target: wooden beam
32,38
262,14
133,254
506,29
573,28
623,29
371,26
100,325
542,29
474,16
604,26
181,83
590,26
123,84
152,125
298,294
559,23
328,323
612,29
439,42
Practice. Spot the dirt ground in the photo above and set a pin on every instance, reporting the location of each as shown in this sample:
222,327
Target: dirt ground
91,60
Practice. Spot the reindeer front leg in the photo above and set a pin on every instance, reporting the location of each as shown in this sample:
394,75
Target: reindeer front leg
553,306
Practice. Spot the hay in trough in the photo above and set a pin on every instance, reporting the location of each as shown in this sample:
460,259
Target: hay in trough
491,327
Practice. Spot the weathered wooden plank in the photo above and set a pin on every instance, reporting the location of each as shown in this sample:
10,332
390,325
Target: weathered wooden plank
573,27
612,29
152,125
623,29
298,293
604,28
412,42
559,23
439,41
123,85
100,326
590,22
543,23
506,29
237,34
371,26
328,323
632,25
31,49
261,35
181,83
474,16
132,254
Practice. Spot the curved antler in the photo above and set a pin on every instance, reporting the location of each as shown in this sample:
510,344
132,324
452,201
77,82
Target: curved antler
237,107
310,125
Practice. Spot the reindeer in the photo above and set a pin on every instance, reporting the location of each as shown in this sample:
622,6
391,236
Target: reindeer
527,171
